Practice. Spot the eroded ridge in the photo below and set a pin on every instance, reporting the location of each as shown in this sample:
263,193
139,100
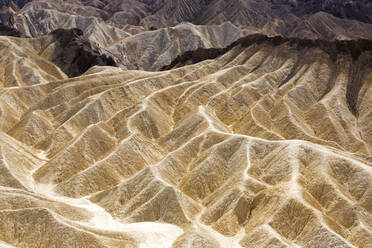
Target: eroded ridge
264,146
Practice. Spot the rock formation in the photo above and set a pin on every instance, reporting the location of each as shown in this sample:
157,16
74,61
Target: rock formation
108,20
122,125
153,50
9,31
71,51
265,144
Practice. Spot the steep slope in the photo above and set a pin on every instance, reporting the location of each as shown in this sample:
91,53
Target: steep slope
155,49
9,31
191,10
21,65
41,18
106,20
71,51
356,10
74,52
266,145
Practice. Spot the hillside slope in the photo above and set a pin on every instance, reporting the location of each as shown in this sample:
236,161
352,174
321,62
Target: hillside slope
107,21
267,145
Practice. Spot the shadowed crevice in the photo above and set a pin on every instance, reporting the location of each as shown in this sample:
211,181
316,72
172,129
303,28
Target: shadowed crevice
353,48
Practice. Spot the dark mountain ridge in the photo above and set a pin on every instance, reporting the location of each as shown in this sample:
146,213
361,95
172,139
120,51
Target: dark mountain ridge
354,48
202,11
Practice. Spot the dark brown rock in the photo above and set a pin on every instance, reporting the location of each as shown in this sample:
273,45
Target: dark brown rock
9,31
75,54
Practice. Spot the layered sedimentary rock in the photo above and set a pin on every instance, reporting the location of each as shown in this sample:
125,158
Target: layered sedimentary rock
153,50
9,31
68,50
41,18
264,144
72,51
108,20
133,11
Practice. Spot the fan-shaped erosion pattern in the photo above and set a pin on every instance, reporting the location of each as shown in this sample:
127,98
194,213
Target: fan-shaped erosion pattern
266,144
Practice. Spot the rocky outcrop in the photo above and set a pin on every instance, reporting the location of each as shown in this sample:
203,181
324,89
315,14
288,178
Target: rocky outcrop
66,50
353,48
331,19
41,18
9,31
14,3
153,50
71,51
357,10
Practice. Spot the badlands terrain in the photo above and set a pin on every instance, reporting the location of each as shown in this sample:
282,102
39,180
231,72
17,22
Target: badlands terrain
118,133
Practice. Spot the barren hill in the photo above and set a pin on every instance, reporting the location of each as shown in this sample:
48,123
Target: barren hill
106,20
267,145
186,123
